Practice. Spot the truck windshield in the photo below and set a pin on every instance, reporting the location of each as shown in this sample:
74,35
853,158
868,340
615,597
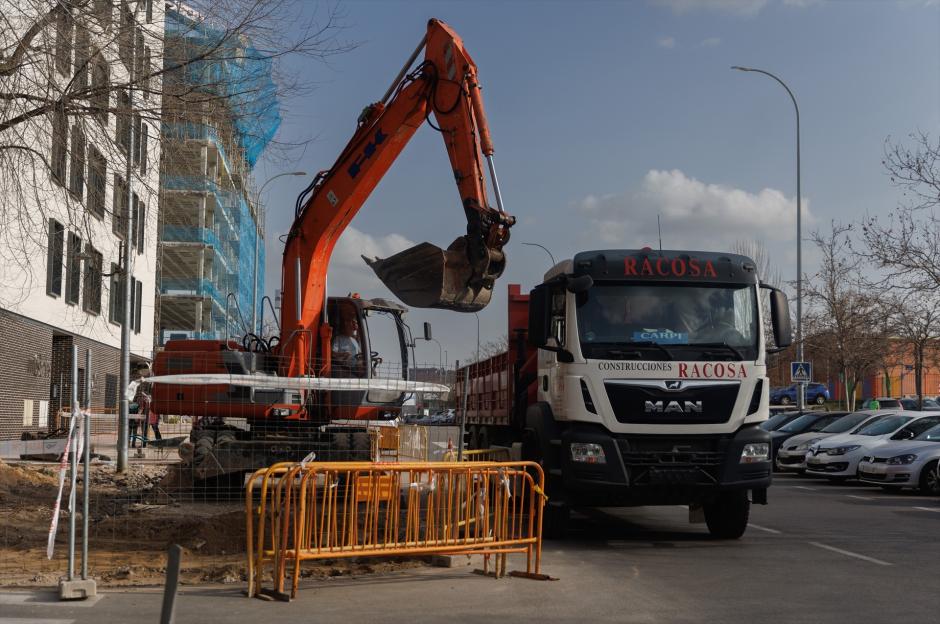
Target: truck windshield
661,322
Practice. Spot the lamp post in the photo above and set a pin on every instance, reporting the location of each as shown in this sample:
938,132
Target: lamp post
543,248
259,232
800,395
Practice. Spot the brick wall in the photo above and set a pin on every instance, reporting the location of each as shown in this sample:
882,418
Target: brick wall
36,365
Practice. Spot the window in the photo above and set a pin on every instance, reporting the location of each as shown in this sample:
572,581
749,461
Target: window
77,169
149,11
138,53
82,45
142,148
119,208
141,222
137,125
60,131
54,260
116,296
92,287
74,269
63,41
138,298
43,414
135,214
148,71
99,88
122,135
103,13
97,182
126,35
110,390
27,412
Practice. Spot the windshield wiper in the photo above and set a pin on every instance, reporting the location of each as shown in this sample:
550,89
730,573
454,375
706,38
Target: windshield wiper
644,344
723,345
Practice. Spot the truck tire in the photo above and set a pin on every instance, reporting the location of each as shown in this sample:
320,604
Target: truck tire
536,446
727,517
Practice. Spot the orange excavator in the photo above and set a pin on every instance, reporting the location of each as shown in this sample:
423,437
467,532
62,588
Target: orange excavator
275,415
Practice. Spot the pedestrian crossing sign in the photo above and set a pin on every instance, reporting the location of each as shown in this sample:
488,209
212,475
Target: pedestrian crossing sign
801,372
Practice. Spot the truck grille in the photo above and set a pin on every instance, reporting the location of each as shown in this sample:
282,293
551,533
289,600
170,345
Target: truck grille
657,460
650,402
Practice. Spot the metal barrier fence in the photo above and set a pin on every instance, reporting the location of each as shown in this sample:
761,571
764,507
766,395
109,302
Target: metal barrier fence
308,511
494,454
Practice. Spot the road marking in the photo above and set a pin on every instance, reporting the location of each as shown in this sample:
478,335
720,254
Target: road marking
760,528
928,508
5,620
859,497
803,487
45,599
849,553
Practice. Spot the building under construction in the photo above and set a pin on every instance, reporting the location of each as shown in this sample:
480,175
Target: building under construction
211,245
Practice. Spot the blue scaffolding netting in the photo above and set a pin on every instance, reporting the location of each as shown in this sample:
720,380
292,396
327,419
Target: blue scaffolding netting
242,76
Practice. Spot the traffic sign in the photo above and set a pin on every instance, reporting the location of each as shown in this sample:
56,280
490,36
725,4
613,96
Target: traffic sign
801,372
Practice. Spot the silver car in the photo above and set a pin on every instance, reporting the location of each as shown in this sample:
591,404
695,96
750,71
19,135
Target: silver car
905,464
792,455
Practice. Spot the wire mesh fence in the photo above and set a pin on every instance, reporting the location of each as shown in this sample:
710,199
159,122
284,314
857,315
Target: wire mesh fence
190,446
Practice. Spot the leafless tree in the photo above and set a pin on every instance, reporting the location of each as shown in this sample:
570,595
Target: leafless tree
916,321
66,67
844,317
767,271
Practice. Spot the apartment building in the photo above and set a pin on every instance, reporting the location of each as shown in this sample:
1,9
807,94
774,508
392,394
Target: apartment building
67,199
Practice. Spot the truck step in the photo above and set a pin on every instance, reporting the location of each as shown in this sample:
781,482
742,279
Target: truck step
555,472
555,442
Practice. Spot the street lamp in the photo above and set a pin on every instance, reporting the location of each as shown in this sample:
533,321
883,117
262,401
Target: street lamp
799,249
258,233
544,248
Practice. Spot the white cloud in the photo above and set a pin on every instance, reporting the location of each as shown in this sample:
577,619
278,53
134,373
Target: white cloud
694,215
711,42
666,42
734,7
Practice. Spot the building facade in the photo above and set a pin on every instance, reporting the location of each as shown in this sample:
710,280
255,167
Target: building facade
66,209
211,248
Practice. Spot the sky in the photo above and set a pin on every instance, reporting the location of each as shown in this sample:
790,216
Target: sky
607,114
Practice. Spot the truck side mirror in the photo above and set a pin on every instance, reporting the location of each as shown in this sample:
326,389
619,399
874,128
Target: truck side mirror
427,331
539,315
579,284
780,318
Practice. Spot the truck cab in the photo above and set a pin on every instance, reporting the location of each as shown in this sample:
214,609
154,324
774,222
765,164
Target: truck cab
651,382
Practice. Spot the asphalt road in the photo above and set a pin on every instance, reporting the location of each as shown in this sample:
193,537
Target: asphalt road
818,553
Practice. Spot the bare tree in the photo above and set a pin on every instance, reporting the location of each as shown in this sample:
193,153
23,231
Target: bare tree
844,317
767,271
917,324
67,66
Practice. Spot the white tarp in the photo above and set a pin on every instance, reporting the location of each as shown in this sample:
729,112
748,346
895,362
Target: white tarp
273,382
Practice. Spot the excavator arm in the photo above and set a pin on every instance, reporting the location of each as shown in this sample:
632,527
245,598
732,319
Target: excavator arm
461,277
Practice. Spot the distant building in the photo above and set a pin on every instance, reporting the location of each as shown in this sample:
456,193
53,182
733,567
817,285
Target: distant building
211,247
60,264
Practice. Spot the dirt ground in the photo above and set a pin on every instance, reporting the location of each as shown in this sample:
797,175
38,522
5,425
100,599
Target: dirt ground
128,535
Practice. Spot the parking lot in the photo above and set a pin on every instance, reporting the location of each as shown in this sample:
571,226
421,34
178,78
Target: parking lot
819,552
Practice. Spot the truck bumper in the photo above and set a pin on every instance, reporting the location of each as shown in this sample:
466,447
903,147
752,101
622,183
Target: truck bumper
661,470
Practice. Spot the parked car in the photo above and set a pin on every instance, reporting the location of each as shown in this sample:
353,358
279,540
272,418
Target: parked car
905,463
815,393
792,454
778,420
912,405
808,421
883,403
837,457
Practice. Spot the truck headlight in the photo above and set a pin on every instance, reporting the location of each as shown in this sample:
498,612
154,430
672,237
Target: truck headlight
899,460
842,450
587,453
755,452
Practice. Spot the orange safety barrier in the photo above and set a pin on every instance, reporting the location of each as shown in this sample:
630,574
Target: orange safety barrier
304,511
385,442
495,454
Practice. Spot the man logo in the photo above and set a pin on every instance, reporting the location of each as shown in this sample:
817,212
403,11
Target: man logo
674,384
680,407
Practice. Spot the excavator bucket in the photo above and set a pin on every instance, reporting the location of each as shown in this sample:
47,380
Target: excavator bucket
426,276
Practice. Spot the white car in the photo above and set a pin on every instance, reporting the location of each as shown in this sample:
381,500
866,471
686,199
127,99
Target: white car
837,457
792,454
908,463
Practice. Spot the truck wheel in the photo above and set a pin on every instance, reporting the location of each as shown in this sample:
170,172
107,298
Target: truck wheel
727,516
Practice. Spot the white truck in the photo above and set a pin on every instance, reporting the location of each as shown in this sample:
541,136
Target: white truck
637,377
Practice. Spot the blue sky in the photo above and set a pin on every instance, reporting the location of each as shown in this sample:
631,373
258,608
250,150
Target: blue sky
605,114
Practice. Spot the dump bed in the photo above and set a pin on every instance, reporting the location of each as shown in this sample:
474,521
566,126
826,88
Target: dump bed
492,396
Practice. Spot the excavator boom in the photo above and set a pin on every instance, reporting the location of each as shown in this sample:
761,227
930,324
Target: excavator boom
461,277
